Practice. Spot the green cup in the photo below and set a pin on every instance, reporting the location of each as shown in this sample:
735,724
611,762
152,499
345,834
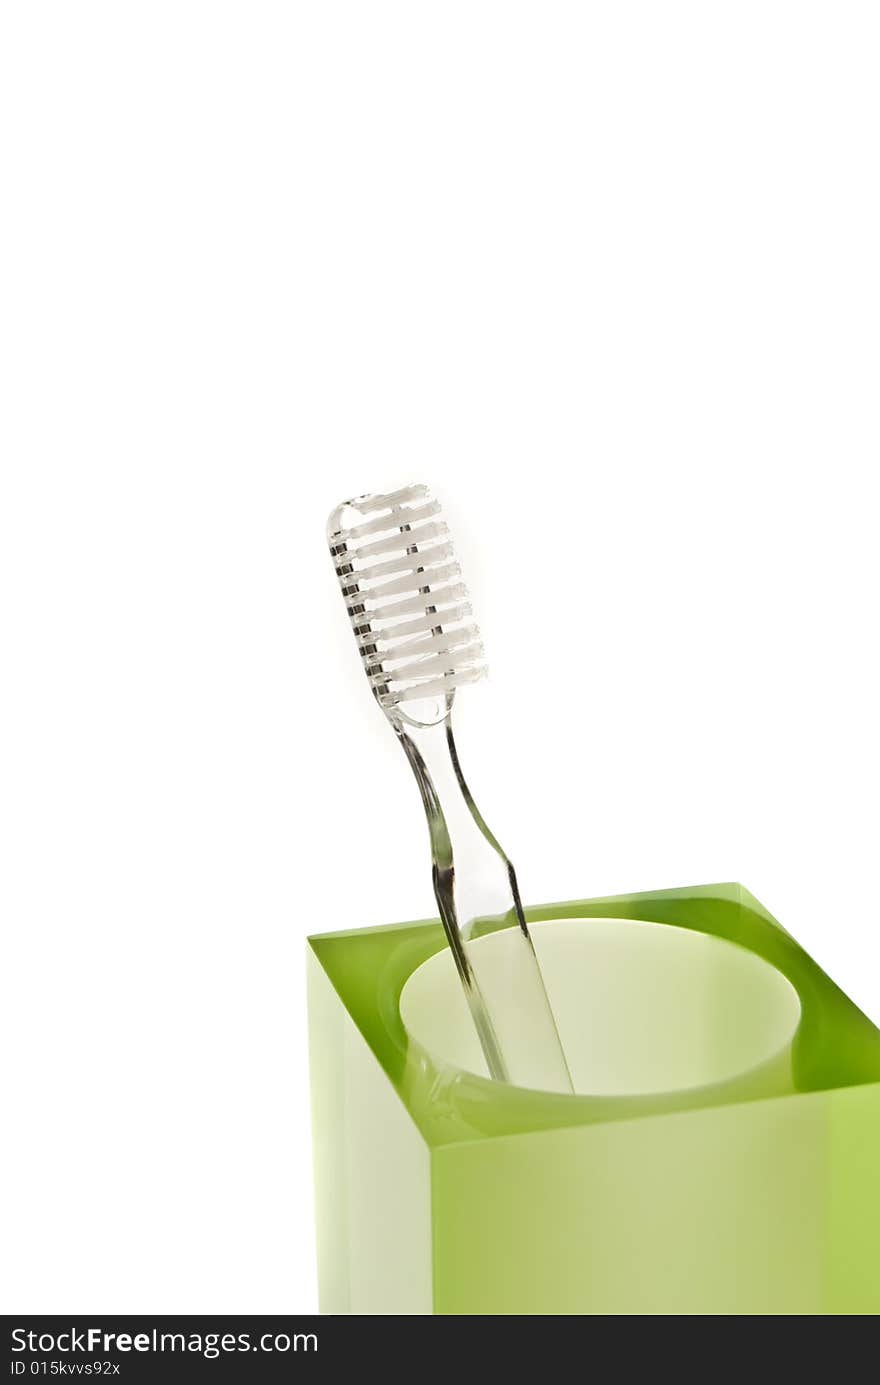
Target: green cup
721,1155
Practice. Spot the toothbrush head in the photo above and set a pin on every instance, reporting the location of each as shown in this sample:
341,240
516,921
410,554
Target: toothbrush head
403,592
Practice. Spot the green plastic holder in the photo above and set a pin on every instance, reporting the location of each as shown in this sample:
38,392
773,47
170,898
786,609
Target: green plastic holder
723,1160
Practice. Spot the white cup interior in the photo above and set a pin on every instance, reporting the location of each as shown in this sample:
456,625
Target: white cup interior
640,1007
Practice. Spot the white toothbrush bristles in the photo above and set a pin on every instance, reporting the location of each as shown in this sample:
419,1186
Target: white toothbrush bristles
402,587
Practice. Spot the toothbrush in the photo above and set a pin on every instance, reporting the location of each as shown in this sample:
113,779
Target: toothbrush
412,622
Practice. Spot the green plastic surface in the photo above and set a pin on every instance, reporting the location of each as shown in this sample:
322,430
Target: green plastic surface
440,1191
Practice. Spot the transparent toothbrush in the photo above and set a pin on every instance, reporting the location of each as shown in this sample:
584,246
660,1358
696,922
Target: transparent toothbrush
412,623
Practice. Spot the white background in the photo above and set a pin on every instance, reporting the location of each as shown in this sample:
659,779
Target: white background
606,276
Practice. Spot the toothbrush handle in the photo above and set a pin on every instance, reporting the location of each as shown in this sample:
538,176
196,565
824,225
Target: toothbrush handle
475,884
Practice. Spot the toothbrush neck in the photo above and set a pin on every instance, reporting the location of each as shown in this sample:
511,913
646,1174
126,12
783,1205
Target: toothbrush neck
476,892
469,863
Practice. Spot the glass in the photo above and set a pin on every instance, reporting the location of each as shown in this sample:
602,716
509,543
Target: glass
718,1157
